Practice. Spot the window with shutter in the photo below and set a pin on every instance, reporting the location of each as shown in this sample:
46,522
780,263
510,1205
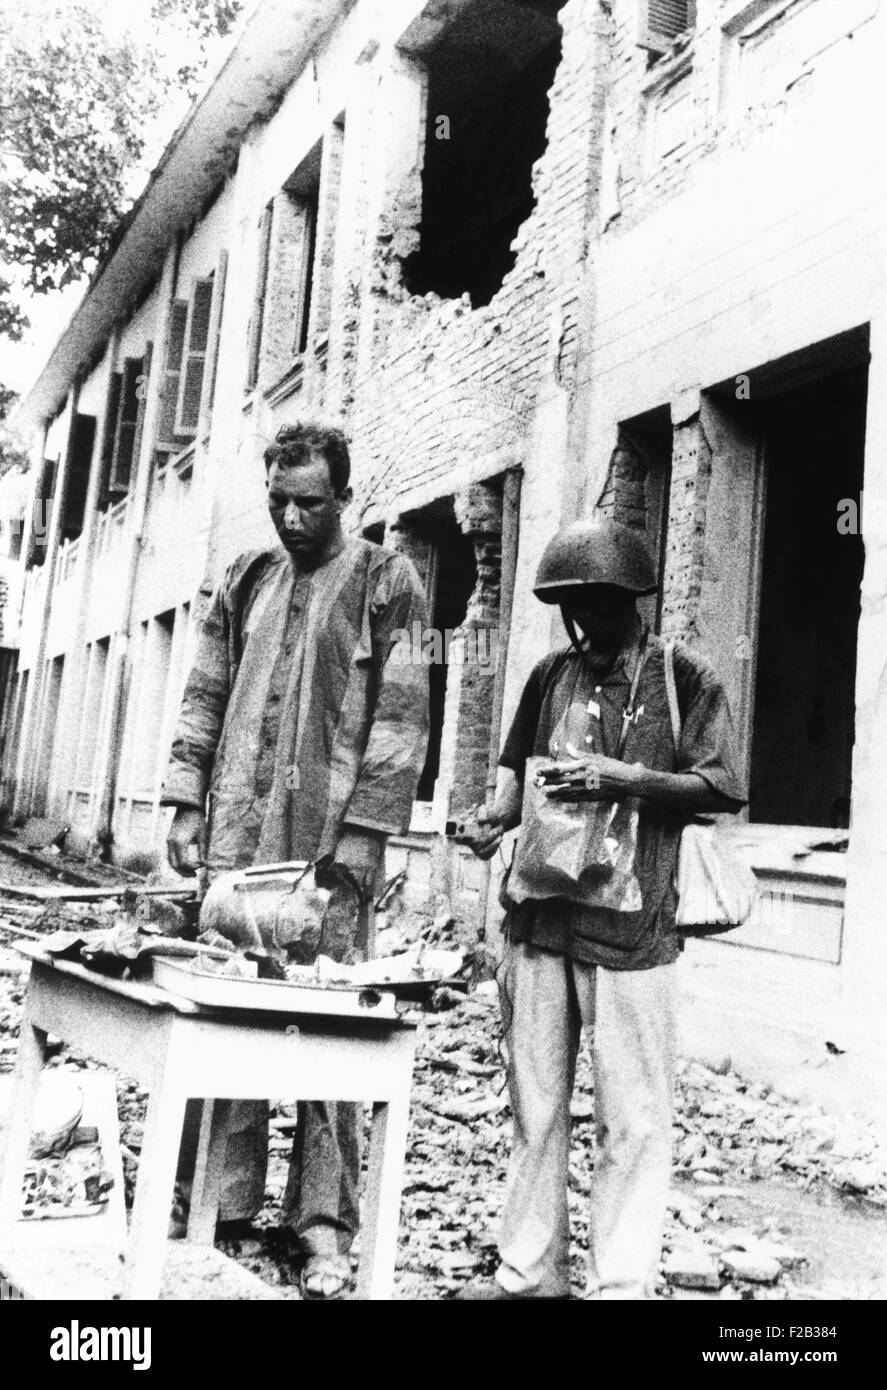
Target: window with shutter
195,358
663,20
172,377
255,327
128,414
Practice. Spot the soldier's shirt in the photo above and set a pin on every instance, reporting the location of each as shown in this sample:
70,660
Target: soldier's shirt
562,692
295,719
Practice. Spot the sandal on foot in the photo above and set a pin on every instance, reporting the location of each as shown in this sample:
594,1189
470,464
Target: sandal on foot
324,1277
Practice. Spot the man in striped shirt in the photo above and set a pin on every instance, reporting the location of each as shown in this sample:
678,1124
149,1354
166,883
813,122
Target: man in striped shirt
300,737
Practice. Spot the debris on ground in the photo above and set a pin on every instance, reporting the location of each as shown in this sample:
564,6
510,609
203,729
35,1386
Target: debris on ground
770,1198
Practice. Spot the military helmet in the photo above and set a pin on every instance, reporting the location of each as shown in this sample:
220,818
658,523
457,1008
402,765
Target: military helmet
595,552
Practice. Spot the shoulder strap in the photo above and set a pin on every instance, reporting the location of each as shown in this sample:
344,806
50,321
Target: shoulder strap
672,692
628,712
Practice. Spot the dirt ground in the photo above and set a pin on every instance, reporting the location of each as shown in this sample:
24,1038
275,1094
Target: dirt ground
770,1199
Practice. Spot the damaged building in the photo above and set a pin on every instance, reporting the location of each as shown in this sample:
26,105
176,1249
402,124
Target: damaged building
540,257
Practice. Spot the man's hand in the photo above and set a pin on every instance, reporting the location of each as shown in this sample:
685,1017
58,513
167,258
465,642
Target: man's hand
483,832
360,852
594,778
185,841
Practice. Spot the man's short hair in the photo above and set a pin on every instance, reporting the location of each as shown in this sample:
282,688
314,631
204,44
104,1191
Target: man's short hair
294,445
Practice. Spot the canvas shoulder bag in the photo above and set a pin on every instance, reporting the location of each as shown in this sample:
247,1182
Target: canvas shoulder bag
716,890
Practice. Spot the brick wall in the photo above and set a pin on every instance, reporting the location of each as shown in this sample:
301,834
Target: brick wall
624,497
685,541
479,512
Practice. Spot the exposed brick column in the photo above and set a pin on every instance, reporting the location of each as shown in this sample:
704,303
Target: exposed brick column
403,538
479,513
624,497
685,540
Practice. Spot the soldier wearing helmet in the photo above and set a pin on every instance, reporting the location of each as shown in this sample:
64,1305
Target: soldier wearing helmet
567,965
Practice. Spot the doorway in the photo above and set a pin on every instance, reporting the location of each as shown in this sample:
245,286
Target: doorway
804,704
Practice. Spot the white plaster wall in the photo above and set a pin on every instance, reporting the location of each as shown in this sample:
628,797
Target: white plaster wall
94,391
139,330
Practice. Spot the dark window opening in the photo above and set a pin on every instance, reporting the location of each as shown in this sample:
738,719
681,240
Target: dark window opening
488,82
449,583
301,193
804,714
638,487
79,463
286,296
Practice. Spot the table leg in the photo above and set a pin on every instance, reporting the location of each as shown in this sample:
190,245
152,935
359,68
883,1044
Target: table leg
29,1065
154,1189
209,1170
378,1240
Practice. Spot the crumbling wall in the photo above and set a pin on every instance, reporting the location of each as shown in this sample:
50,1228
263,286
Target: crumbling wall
685,540
624,495
445,387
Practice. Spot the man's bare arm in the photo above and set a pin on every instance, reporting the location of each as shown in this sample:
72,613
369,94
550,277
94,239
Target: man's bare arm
607,779
494,820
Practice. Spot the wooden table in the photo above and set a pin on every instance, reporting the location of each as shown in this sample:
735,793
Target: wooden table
179,1050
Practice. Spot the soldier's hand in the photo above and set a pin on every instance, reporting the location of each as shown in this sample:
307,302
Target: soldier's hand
185,841
593,778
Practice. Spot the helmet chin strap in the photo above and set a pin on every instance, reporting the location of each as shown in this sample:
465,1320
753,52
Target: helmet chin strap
581,644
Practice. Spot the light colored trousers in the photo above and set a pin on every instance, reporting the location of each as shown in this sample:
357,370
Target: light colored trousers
630,1015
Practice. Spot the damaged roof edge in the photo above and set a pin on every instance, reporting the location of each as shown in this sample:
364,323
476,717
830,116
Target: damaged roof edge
275,41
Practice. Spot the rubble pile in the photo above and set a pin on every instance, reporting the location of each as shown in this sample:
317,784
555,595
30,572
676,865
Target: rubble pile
458,1150
732,1138
725,1123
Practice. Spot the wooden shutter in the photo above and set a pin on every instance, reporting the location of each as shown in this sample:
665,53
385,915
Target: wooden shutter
79,467
172,376
255,327
42,506
215,336
195,361
303,295
142,402
109,433
124,441
663,20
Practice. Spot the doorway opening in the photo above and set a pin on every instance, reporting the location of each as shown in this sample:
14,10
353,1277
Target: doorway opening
804,707
450,576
